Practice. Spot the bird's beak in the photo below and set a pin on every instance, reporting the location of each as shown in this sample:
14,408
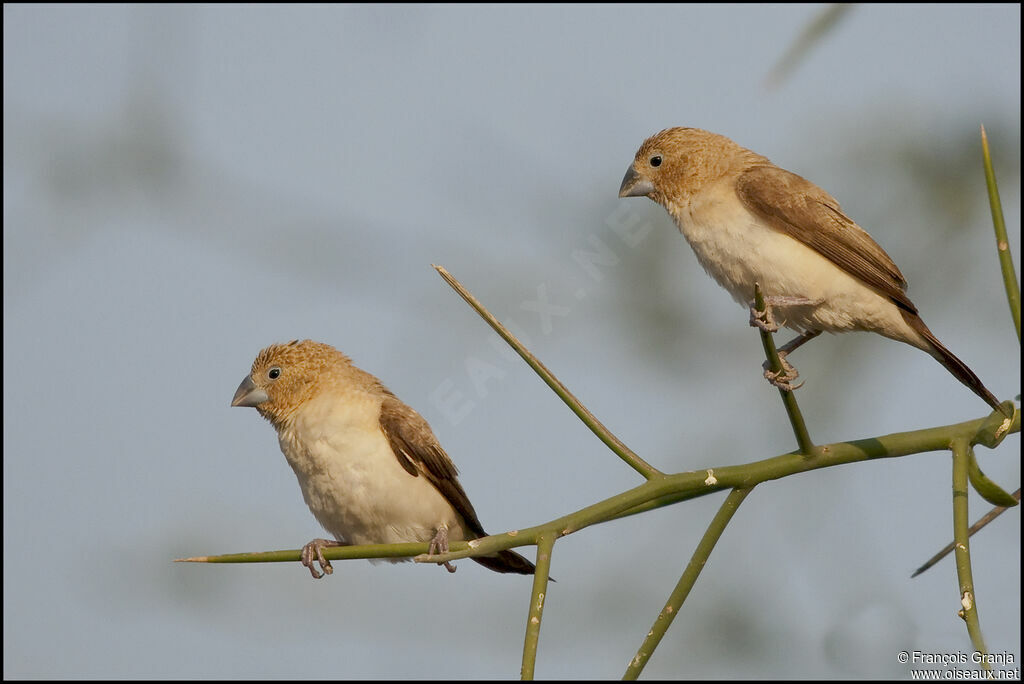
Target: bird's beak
248,394
635,186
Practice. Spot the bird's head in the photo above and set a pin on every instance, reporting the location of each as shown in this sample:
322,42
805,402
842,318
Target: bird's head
284,376
675,164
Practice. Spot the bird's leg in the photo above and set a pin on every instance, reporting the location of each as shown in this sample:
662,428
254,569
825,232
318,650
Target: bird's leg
795,344
784,379
314,550
439,544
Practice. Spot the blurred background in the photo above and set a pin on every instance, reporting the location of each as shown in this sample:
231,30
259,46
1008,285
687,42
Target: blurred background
184,185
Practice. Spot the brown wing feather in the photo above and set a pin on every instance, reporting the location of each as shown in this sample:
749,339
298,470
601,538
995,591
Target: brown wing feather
419,452
797,207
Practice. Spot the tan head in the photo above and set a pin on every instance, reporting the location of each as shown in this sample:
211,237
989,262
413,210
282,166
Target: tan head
284,376
673,165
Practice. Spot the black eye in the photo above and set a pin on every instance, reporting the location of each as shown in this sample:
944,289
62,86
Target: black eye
274,373
656,160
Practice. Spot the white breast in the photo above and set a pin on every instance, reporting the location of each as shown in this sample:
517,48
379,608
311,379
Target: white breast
352,481
737,250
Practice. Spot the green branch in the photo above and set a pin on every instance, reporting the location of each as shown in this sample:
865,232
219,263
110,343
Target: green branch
362,551
796,418
686,582
588,418
670,489
962,454
1002,241
545,543
978,525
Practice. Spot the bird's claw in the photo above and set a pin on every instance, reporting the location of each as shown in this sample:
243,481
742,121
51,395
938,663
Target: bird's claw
784,378
762,318
781,381
313,552
439,544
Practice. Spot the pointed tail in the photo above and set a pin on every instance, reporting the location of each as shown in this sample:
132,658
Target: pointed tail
506,561
954,365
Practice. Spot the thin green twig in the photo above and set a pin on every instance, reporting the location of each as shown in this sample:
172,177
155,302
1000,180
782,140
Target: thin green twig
981,522
686,582
588,418
961,449
796,418
1002,241
405,550
545,544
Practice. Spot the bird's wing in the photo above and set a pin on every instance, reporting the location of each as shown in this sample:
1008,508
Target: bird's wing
419,452
795,206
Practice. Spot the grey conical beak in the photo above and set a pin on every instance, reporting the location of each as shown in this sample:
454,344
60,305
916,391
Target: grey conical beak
635,186
248,394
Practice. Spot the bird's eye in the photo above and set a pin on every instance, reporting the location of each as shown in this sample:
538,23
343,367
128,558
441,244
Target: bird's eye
656,160
274,373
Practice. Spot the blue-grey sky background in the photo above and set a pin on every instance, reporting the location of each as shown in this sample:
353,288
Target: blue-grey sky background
184,185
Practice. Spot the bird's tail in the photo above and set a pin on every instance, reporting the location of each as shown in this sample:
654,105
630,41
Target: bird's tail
506,561
954,365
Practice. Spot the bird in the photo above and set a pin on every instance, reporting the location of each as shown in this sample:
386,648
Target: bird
752,222
369,466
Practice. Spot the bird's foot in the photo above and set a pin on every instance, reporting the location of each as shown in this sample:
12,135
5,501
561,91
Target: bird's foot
439,544
785,377
763,318
314,552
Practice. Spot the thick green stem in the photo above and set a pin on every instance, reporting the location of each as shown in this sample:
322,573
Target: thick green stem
961,537
545,544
